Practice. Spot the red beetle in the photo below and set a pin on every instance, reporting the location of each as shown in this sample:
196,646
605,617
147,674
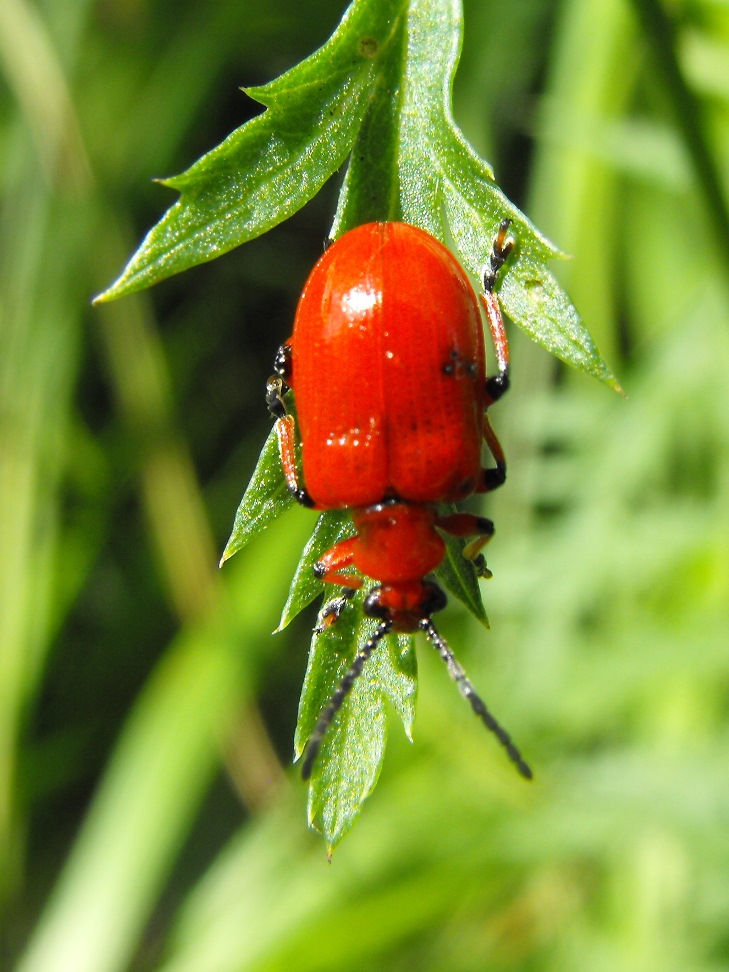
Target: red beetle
387,365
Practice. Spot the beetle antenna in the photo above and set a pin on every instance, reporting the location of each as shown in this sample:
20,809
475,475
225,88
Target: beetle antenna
340,694
468,692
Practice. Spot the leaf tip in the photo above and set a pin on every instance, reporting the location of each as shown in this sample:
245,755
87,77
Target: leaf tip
169,182
258,93
128,282
231,547
107,295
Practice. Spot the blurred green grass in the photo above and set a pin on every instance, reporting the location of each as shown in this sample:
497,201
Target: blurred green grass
147,818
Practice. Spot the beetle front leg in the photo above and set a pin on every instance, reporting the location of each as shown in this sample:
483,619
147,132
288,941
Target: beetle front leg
276,388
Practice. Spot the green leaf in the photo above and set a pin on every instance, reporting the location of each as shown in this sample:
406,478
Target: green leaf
330,529
265,499
378,92
350,759
411,162
380,89
268,168
460,579
533,299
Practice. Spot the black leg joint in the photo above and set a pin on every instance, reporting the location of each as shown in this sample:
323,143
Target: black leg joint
493,478
498,385
486,526
301,496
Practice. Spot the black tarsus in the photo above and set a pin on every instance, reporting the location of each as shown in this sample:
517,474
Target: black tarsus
499,255
276,386
332,610
275,390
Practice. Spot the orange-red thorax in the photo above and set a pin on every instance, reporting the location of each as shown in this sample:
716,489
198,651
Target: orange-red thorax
397,543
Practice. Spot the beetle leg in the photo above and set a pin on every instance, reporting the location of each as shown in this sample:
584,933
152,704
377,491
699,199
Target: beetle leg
339,558
276,388
286,434
495,476
280,382
470,525
466,525
502,247
332,610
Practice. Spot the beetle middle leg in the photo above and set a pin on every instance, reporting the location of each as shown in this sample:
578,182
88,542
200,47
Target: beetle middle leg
332,567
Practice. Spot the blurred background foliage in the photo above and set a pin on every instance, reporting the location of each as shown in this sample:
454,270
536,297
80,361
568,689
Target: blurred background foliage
149,819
